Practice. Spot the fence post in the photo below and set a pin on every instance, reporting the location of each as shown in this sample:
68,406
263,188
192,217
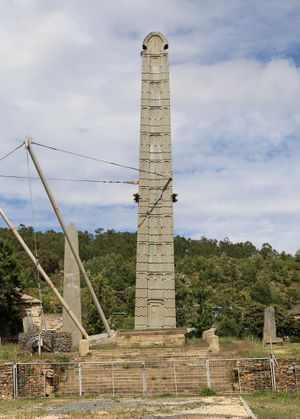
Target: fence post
80,379
144,379
15,380
238,373
208,373
113,378
273,371
175,378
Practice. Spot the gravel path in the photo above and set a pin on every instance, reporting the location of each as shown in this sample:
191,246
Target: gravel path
209,407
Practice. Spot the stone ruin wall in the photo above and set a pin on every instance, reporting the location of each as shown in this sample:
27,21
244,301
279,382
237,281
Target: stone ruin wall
6,381
53,341
253,375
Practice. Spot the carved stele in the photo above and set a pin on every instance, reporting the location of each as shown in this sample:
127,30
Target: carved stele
269,332
155,288
72,287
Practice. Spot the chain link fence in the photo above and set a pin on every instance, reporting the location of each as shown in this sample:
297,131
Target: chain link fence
188,376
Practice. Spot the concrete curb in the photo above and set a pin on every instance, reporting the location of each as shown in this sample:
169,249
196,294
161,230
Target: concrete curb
248,409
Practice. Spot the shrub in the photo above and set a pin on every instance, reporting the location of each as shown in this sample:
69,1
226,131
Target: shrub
206,392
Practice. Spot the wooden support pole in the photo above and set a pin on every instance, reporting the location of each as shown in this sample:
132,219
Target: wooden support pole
43,273
63,226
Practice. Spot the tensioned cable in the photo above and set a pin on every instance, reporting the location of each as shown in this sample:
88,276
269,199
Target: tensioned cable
11,152
43,324
127,182
96,159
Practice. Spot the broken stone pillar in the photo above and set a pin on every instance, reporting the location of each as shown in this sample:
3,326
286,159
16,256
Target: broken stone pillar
269,333
155,285
214,344
72,288
207,333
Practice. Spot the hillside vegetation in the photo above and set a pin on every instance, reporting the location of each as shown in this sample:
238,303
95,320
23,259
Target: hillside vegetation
216,281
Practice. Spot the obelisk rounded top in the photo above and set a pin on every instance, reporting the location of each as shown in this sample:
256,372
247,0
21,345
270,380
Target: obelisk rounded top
155,43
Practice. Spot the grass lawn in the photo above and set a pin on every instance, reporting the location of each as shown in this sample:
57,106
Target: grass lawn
252,348
20,408
10,352
274,405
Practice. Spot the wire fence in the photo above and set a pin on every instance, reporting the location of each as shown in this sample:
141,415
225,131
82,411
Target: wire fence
188,376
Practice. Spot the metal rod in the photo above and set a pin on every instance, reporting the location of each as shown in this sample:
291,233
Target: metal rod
175,379
80,379
239,375
15,381
43,273
63,226
113,378
208,373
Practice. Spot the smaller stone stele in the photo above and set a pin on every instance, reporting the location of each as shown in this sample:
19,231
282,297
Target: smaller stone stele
212,339
72,288
269,332
83,347
214,344
207,333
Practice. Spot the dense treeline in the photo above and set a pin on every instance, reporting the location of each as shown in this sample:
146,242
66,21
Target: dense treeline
216,281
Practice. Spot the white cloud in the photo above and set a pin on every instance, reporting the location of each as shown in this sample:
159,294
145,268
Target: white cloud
70,77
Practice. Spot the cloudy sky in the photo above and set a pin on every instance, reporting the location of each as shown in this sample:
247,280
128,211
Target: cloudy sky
70,78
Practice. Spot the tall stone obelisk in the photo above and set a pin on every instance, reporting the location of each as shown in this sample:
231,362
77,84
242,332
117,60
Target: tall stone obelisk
155,285
72,287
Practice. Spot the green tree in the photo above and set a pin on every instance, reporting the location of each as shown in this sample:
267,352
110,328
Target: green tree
107,300
228,326
184,301
202,318
267,251
261,292
252,319
118,272
10,288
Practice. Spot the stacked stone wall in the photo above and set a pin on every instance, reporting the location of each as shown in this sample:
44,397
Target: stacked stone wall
256,375
30,380
39,379
53,341
253,375
6,380
288,374
125,377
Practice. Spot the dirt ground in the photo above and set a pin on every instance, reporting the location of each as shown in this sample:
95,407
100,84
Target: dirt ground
219,407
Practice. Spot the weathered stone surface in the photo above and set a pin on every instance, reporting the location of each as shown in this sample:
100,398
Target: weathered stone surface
31,306
83,347
254,374
212,339
155,289
72,288
6,380
27,324
207,333
269,333
149,337
214,345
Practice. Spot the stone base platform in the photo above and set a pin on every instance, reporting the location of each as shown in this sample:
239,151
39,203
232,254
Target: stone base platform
274,341
147,337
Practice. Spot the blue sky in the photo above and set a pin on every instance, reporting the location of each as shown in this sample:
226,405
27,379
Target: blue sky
70,77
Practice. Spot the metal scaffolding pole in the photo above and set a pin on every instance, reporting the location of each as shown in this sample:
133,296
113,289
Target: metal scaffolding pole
43,273
69,240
